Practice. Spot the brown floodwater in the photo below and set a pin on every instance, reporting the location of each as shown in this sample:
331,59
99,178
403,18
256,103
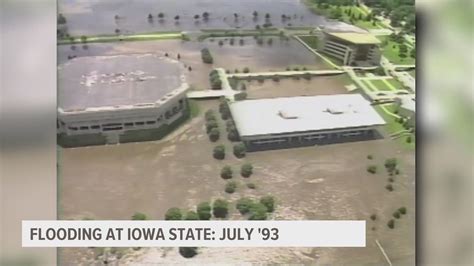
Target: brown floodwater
90,17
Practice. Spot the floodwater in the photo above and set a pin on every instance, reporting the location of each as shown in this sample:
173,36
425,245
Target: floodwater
322,182
258,58
91,17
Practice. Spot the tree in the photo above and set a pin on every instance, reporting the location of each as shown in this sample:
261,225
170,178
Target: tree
83,38
173,214
391,224
246,170
246,70
150,16
220,208
373,217
255,14
267,16
258,211
390,164
226,172
139,216
244,205
161,15
204,211
251,185
214,134
221,42
176,17
241,42
268,202
239,150
413,53
178,56
191,216
233,134
205,15
402,210
372,169
230,187
270,41
117,31
389,187
396,215
219,152
206,56
210,125
61,19
188,252
196,16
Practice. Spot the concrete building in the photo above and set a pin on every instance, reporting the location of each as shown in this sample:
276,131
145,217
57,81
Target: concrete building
116,99
308,120
352,48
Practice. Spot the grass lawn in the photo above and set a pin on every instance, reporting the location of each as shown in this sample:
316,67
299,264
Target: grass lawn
116,38
369,85
390,51
393,126
395,83
312,41
380,85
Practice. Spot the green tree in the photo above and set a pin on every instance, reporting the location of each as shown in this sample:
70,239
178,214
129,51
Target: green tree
230,187
246,70
191,216
268,202
239,150
188,252
258,211
391,224
214,134
226,172
173,214
219,152
244,205
204,211
390,164
402,210
220,208
205,15
210,125
83,38
246,170
161,15
413,53
139,216
255,14
372,169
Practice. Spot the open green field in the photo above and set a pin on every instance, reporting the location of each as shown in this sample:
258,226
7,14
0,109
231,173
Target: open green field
312,41
390,50
117,38
393,126
381,85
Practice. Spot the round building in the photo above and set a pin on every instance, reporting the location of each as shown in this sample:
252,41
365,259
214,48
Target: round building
118,99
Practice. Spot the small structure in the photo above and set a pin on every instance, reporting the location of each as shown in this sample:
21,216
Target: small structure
307,120
352,48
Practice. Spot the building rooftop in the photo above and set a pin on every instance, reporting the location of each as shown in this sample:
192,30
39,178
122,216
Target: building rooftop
105,81
356,37
300,114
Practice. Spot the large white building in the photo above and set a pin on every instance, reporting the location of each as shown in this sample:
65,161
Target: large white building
114,99
352,48
308,120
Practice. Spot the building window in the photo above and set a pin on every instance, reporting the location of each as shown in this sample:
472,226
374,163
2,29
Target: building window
95,127
84,128
150,122
128,124
112,128
72,128
139,123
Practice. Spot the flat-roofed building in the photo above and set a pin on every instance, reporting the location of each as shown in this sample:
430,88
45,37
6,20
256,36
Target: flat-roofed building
352,48
302,121
116,99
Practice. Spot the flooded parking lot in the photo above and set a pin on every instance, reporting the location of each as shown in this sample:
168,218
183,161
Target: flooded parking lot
91,17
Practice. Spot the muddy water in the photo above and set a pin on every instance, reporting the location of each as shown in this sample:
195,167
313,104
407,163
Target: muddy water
326,182
98,17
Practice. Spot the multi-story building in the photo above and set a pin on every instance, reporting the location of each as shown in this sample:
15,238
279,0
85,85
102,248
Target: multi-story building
352,48
116,99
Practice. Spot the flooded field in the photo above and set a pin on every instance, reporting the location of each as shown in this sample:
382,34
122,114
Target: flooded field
91,17
322,85
277,56
324,182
